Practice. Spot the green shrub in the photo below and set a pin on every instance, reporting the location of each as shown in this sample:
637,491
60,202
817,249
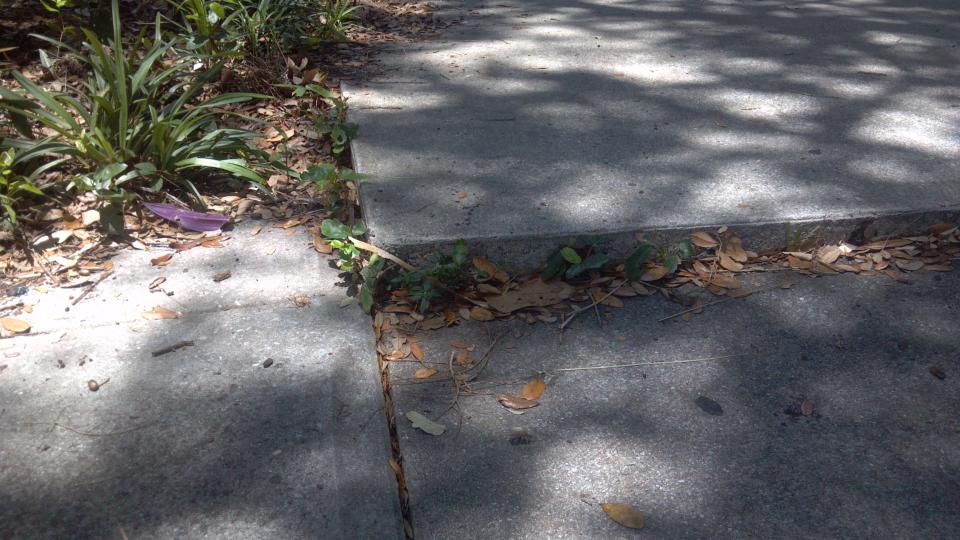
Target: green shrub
139,118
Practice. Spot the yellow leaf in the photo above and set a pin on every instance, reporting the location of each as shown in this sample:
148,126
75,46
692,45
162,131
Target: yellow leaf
159,312
478,313
491,269
703,240
625,515
424,373
533,389
16,326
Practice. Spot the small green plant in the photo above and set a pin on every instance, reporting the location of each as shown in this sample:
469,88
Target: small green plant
14,187
338,234
333,123
569,263
331,181
431,284
335,17
137,120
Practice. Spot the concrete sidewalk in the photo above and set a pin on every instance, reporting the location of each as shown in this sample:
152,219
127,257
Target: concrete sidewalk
269,426
536,120
878,457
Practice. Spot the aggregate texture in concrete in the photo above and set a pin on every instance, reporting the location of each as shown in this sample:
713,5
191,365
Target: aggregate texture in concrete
534,120
270,425
706,449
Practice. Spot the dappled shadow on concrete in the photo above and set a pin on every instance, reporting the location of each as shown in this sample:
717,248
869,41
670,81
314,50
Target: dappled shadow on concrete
879,458
557,118
204,441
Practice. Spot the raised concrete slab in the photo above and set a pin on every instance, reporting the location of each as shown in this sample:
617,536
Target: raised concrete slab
535,120
270,425
878,458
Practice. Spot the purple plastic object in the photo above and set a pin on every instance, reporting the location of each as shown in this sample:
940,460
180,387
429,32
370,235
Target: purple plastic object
188,219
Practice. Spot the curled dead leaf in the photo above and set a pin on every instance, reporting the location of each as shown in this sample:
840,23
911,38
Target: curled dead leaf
17,326
417,351
533,389
490,269
625,515
424,373
162,260
704,240
728,263
159,312
516,402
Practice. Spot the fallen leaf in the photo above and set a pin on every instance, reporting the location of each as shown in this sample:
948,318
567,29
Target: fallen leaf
883,244
478,313
533,293
625,515
727,262
533,389
16,326
725,281
786,285
424,373
709,406
417,351
89,217
162,260
459,344
938,372
940,228
220,276
734,248
159,312
611,301
433,323
424,424
806,408
909,266
490,269
828,254
256,231
655,273
301,300
740,293
704,240
156,283
516,402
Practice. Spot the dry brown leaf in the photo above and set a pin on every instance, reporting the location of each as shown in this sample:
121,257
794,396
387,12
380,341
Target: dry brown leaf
463,358
533,389
802,255
806,408
491,269
433,323
611,301
909,266
704,240
321,245
460,344
256,230
293,222
486,288
417,351
786,285
795,262
162,260
829,254
740,293
516,402
734,248
687,317
726,281
883,244
533,293
159,312
424,373
17,326
220,276
728,263
625,515
156,283
653,274
641,290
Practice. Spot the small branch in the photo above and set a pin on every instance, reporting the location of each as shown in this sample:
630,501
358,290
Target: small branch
171,348
90,287
383,253
565,321
651,363
695,308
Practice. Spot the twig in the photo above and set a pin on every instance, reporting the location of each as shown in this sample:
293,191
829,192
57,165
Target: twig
170,348
651,363
485,358
383,253
577,310
90,434
697,308
90,287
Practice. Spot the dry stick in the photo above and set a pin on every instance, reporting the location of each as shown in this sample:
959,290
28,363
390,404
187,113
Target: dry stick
652,363
577,311
383,253
90,287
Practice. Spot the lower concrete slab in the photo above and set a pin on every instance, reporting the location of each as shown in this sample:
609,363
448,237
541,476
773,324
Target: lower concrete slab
878,457
536,120
269,425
